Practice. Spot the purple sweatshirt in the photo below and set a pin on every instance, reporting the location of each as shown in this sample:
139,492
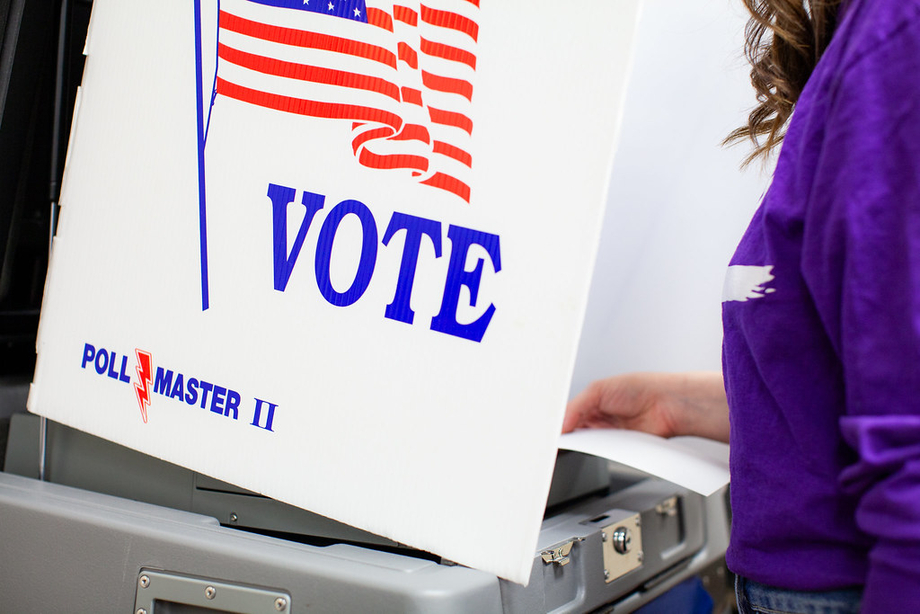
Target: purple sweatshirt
822,330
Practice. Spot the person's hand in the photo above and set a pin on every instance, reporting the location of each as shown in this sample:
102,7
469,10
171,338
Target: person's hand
634,401
664,404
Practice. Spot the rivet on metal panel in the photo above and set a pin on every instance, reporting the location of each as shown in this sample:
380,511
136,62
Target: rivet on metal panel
210,592
606,574
141,611
144,581
234,518
603,536
280,604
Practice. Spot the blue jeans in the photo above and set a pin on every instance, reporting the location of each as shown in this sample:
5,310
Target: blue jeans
688,597
756,598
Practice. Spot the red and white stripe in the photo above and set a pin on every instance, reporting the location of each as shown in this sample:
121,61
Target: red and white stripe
405,80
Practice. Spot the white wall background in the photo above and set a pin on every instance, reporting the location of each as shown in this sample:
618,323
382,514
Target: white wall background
678,202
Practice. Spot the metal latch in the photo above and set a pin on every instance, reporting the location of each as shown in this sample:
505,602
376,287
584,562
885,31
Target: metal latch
668,507
622,547
559,554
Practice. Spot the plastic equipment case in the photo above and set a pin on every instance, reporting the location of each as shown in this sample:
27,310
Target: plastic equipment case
611,540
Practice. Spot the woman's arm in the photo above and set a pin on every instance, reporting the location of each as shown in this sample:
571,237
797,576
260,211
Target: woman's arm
665,404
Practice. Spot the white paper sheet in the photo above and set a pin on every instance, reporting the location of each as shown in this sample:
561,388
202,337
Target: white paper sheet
692,462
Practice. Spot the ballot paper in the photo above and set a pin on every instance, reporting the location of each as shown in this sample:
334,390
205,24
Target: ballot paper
338,253
692,462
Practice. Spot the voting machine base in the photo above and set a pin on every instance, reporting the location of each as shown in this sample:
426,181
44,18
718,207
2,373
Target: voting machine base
111,529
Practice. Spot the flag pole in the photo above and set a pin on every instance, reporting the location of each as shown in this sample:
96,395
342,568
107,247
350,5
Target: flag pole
202,209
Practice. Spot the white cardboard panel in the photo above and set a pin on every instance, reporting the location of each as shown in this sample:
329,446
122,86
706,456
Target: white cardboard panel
387,425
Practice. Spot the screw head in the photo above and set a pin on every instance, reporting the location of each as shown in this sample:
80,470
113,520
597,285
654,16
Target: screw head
622,540
210,592
234,518
144,581
280,604
606,574
141,611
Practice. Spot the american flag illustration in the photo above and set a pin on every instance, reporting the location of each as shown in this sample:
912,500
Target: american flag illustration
402,74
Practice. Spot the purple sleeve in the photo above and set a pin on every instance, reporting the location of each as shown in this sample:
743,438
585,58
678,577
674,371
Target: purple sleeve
861,261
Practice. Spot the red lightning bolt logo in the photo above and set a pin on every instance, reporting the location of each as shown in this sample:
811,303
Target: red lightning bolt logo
142,387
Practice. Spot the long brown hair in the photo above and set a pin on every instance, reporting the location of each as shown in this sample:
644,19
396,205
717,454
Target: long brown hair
783,41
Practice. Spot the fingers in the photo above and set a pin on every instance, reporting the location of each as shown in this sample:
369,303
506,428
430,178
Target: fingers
664,404
620,401
582,405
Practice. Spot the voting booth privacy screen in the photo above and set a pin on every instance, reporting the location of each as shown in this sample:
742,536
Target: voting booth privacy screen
338,253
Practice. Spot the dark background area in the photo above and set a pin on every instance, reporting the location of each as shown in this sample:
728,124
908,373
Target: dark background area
41,65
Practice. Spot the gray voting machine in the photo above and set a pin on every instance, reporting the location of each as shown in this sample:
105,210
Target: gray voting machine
110,529
90,526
